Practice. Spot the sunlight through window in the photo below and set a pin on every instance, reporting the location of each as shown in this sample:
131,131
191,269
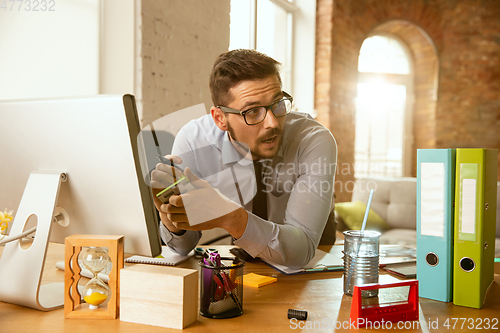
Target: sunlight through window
381,105
382,55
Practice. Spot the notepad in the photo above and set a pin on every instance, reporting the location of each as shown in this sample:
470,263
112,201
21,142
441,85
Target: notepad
257,281
167,258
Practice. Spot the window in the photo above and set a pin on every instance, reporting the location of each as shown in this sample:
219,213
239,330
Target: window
380,54
383,109
284,30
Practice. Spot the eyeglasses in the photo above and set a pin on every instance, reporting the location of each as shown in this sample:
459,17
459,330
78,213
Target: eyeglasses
257,114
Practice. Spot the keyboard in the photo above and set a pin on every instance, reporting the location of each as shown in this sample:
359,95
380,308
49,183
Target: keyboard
103,275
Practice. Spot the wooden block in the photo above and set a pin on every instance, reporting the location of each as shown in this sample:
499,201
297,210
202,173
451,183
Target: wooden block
159,295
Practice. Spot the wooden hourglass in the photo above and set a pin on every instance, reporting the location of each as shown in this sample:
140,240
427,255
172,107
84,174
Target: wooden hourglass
95,259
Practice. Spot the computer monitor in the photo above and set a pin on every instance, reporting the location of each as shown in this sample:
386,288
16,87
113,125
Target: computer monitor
91,141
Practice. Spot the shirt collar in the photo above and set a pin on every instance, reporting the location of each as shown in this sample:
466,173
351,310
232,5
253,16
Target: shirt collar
229,154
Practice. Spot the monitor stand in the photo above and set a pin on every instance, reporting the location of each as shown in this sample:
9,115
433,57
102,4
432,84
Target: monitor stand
21,270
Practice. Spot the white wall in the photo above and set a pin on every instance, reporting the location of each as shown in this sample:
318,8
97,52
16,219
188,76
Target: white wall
47,54
162,51
83,47
117,70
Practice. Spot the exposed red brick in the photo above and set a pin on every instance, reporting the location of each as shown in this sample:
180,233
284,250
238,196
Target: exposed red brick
456,51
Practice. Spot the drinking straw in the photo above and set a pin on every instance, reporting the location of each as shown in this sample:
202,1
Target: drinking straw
355,257
367,211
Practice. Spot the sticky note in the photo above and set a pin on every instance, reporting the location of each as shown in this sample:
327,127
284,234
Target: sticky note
256,280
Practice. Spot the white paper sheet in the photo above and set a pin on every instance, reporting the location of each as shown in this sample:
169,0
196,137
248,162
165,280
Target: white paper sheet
432,194
468,206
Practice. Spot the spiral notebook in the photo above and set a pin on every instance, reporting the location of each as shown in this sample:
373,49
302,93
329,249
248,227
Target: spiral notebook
166,258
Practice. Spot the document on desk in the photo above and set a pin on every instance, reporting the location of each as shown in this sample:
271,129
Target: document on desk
396,254
334,260
321,262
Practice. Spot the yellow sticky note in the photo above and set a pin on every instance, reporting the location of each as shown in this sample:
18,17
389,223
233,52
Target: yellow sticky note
256,280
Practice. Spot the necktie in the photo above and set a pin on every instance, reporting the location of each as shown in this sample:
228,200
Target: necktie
259,205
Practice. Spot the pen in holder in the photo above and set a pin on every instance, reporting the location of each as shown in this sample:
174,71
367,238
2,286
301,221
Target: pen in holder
221,291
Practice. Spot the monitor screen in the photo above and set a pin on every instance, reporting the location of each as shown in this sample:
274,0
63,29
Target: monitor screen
93,140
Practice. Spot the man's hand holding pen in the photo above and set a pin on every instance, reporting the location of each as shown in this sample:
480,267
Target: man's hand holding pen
163,177
197,206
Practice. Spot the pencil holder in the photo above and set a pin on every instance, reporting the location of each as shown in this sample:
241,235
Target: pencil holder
221,289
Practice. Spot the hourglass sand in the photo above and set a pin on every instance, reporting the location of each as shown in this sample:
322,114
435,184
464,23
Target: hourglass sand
95,292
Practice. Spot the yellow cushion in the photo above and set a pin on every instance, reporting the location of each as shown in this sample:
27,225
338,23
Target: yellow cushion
353,213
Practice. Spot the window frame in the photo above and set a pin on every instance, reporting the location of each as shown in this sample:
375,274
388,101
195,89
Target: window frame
301,49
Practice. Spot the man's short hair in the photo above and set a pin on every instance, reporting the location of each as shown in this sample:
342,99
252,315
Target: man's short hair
235,66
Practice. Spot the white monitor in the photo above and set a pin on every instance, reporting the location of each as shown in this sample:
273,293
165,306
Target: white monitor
93,142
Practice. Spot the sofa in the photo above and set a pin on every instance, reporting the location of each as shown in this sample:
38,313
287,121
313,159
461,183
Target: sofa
394,201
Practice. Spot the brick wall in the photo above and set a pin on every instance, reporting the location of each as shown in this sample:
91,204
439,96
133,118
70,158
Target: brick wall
179,41
454,44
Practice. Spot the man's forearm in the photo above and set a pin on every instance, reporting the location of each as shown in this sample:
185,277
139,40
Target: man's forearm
235,222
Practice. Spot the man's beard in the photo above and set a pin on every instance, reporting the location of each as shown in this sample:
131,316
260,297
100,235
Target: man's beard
244,146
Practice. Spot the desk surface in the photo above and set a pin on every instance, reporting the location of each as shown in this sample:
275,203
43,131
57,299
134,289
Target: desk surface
265,309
